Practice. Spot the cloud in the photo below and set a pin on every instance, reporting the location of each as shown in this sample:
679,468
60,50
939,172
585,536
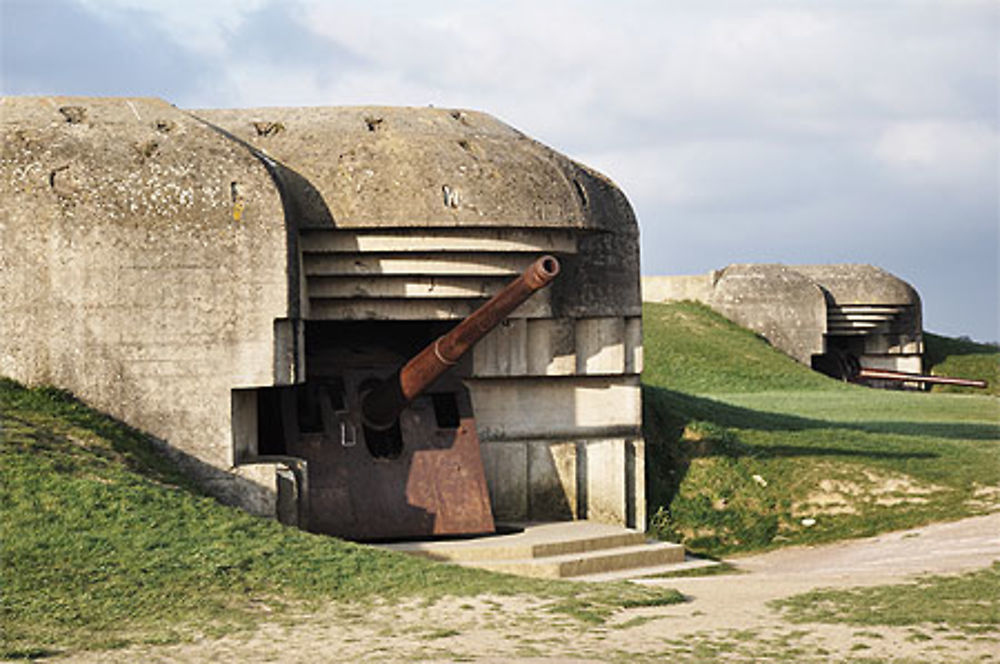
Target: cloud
946,153
741,131
201,27
58,47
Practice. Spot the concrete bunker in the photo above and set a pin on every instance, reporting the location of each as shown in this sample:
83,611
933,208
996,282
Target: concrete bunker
228,280
835,318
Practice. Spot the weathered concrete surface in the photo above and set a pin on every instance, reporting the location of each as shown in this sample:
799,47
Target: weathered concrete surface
143,268
677,288
171,268
877,316
386,167
381,168
860,284
785,307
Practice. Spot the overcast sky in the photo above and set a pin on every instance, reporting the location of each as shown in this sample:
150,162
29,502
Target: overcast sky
794,132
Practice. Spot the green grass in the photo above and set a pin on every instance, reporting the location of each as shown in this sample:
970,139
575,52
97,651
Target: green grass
105,543
689,348
968,602
748,450
962,358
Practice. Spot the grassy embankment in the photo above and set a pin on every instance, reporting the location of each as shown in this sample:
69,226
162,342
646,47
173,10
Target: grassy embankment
964,359
104,543
748,450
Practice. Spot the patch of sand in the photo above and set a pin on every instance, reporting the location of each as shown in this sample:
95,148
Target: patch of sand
842,495
986,498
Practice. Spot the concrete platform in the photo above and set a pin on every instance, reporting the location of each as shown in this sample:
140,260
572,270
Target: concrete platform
569,549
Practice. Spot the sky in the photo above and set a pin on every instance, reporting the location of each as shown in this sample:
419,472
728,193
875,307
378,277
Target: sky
794,132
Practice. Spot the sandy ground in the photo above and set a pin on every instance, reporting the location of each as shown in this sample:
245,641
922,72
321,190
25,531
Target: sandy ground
725,619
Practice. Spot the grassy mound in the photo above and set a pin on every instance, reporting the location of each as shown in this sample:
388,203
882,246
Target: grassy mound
105,543
689,348
962,358
748,450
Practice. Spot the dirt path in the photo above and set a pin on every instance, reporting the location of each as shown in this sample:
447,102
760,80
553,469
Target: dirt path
740,602
726,619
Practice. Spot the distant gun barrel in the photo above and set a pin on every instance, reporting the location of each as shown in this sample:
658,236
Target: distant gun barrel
903,377
382,405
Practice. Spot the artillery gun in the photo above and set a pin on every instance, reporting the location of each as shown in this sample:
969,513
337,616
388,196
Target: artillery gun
398,456
866,373
847,367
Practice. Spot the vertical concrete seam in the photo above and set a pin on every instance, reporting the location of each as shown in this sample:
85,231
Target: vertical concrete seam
291,237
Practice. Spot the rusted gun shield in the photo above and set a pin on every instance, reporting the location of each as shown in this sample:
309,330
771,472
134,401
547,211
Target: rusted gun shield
389,464
434,486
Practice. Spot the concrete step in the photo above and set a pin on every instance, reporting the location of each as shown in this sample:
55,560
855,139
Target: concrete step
533,540
689,564
554,550
576,565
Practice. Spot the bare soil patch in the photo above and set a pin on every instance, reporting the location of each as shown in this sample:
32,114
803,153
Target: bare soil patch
843,495
726,619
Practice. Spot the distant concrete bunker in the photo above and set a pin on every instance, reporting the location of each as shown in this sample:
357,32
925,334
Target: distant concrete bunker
232,281
824,316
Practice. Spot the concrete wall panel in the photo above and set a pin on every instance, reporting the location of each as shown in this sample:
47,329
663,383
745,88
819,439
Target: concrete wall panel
506,465
694,287
504,351
600,346
553,408
635,476
552,480
551,347
607,481
633,345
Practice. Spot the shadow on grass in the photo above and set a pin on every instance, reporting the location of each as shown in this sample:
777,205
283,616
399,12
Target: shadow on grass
954,430
666,414
691,407
28,654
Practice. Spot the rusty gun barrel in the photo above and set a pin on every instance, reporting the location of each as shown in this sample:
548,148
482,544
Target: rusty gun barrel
382,405
903,377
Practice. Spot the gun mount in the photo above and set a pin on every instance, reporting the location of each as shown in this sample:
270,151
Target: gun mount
396,454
